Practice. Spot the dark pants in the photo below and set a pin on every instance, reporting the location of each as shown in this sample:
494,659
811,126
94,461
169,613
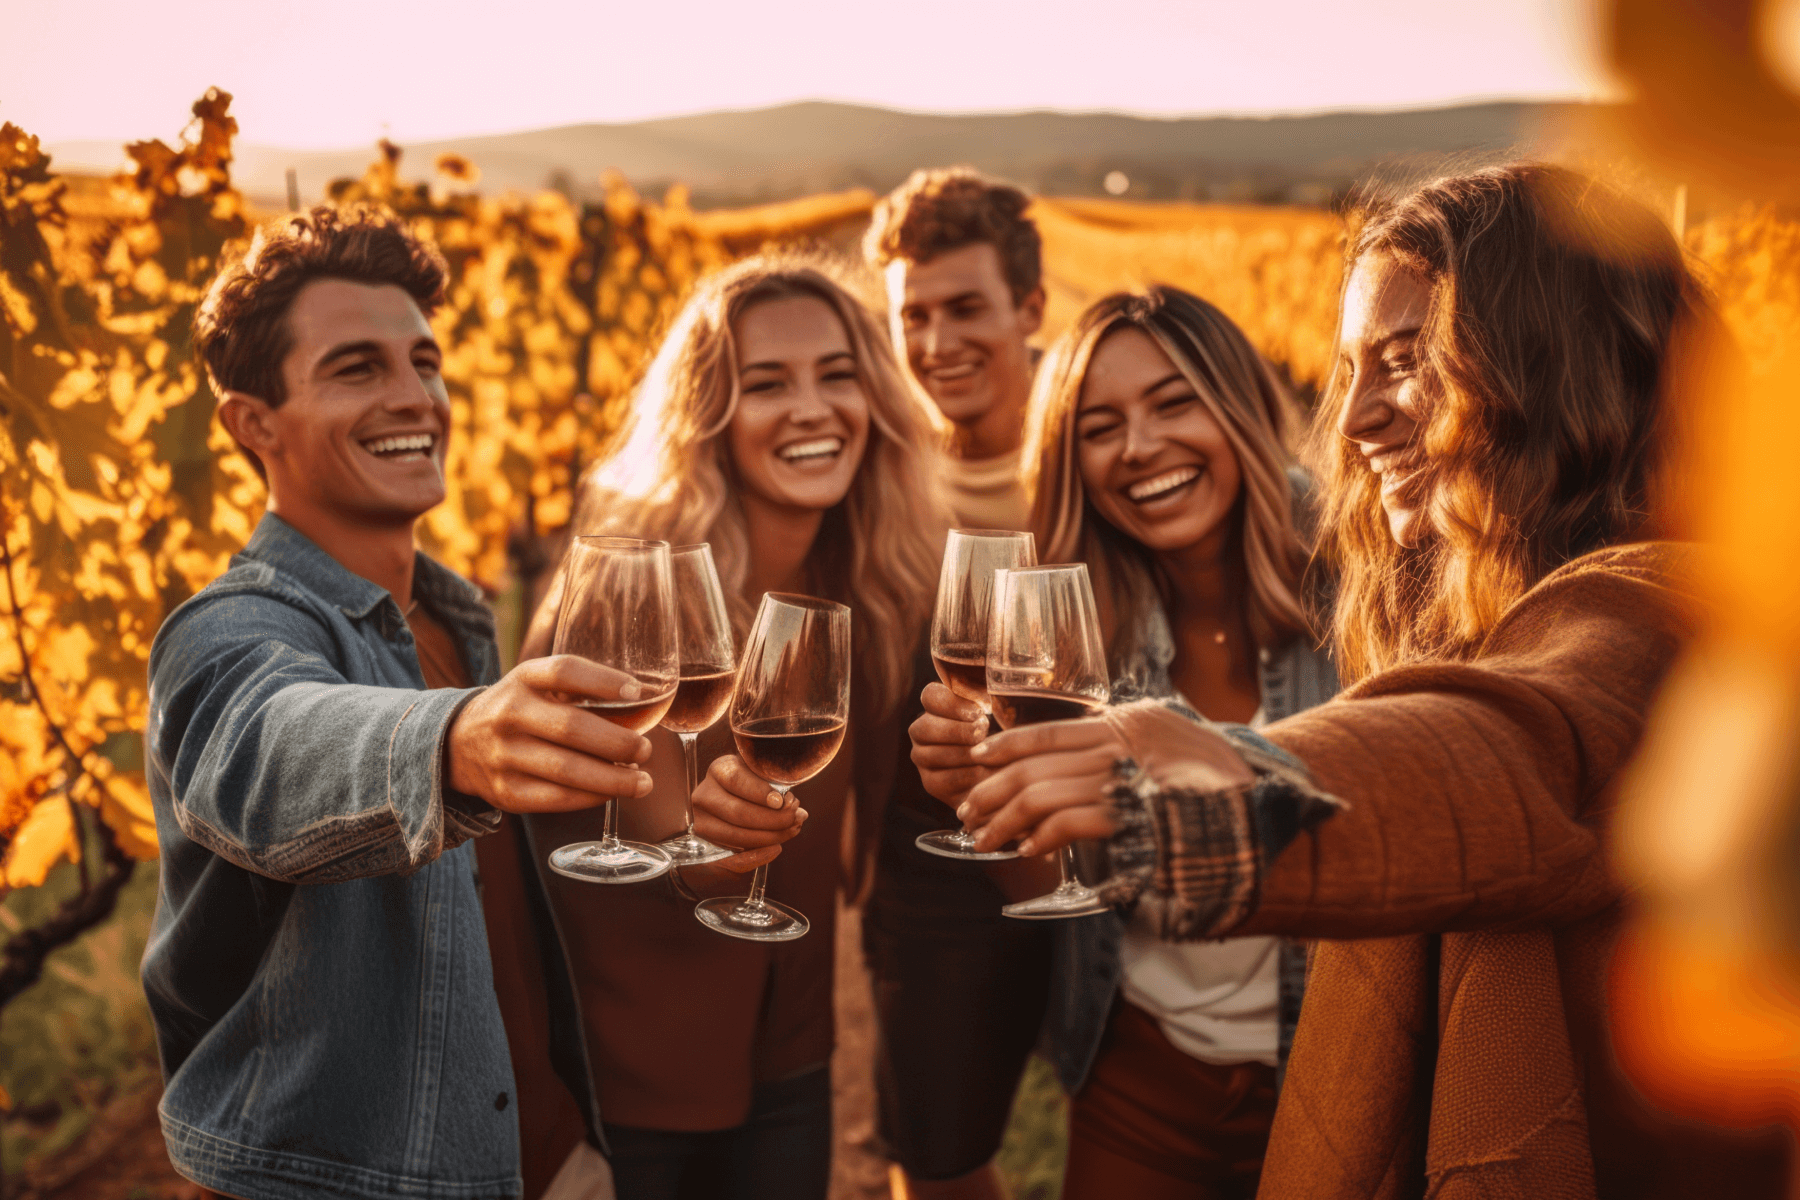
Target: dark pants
782,1152
960,993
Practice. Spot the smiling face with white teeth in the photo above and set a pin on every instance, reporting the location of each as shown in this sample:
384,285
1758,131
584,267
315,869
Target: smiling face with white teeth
1383,409
965,342
359,441
1154,462
802,420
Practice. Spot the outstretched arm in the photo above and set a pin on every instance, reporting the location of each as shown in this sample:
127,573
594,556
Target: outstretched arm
1473,795
274,761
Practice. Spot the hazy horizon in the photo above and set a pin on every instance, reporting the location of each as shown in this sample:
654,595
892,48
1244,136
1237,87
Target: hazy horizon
1348,110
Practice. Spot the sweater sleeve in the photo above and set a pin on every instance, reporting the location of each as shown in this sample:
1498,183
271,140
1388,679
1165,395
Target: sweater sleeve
1478,795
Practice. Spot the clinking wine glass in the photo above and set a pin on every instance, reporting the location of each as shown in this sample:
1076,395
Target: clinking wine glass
959,641
787,717
708,673
618,609
1046,662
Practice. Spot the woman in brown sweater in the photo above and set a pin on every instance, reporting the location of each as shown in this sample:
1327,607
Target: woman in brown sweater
773,424
1497,426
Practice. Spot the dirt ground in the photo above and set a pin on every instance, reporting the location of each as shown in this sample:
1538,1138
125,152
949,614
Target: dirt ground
122,1157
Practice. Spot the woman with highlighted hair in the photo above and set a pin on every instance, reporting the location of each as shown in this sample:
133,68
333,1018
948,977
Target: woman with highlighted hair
773,424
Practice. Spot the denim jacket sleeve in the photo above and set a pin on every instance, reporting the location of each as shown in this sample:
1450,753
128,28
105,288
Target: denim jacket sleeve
277,762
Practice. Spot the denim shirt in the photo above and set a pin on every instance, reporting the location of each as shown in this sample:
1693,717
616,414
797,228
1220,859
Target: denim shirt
1087,967
318,969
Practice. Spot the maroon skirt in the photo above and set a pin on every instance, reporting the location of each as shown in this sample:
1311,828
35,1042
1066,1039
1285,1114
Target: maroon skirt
1155,1123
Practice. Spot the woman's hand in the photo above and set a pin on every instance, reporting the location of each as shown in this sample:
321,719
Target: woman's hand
1046,783
736,808
942,739
1049,782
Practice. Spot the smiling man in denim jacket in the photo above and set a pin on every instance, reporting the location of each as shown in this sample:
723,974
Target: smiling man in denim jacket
328,729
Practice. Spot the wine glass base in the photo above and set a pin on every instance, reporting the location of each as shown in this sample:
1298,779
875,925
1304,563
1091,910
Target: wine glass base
615,862
1069,900
957,843
768,921
692,850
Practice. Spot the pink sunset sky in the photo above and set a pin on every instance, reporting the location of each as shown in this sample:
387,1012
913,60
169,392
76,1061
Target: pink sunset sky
333,73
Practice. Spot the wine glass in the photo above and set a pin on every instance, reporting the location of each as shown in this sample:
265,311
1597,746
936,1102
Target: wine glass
1046,662
959,640
708,671
788,717
618,609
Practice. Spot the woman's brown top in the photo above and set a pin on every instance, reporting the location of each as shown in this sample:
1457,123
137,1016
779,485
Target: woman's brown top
1454,1039
682,1022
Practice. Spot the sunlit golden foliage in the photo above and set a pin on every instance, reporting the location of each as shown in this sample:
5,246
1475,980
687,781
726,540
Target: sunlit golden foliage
110,511
1274,271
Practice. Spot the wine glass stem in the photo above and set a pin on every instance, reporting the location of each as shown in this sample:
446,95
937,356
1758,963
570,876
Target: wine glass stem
760,880
691,755
1065,865
610,836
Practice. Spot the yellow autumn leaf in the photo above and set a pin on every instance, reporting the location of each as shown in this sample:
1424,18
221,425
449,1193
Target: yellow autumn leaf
125,807
46,838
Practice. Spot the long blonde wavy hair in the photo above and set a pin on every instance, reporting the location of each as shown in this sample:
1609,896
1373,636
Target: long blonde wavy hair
671,476
1545,359
1242,394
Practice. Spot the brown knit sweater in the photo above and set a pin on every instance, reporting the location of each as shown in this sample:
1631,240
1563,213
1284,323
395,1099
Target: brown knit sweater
1454,1037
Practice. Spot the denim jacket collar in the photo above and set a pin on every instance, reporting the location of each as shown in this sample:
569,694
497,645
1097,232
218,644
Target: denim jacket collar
449,597
291,552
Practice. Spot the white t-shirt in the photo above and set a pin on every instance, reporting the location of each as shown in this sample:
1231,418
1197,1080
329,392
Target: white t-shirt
1217,1001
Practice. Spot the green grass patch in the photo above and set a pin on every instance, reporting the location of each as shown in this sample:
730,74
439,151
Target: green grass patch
1037,1137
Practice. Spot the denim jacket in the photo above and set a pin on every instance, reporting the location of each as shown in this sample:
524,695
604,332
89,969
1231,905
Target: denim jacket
317,968
1087,969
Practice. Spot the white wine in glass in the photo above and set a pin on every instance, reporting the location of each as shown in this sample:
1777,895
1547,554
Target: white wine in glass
788,717
1046,662
959,640
618,609
708,674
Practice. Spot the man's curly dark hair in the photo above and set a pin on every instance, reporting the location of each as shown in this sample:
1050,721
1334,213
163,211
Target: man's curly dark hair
940,209
241,331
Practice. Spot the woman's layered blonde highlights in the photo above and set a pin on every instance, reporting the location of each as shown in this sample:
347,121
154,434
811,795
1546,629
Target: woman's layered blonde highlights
671,475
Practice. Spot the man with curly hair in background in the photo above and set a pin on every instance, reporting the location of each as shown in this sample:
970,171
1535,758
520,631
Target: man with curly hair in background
963,268
960,990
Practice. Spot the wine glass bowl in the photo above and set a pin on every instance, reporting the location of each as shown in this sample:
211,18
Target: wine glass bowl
1046,661
959,641
618,610
789,712
708,676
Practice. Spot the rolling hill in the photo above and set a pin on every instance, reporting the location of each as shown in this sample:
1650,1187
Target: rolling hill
732,158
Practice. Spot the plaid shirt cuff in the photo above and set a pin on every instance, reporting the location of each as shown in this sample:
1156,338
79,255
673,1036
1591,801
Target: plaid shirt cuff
1197,858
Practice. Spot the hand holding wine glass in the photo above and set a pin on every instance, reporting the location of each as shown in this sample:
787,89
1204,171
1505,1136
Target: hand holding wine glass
735,807
959,640
1049,784
618,610
515,745
708,674
788,717
1046,662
